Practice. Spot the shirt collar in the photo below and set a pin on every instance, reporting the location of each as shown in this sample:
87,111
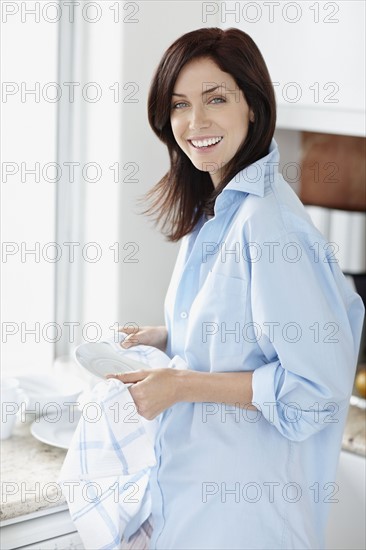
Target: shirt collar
253,178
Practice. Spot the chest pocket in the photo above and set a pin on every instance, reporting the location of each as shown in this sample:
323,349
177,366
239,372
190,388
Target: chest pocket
218,314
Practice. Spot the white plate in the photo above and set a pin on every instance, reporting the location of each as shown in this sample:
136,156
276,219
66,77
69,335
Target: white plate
49,387
101,358
56,431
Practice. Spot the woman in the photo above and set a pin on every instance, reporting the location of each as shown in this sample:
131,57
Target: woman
258,308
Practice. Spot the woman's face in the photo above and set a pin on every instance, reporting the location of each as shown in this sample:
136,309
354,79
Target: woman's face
208,124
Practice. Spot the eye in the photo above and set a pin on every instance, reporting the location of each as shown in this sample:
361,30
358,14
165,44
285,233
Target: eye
178,105
218,100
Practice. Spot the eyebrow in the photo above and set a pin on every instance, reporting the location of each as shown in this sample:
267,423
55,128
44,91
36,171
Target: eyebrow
203,93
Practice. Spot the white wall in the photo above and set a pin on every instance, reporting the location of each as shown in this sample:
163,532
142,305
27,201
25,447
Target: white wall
315,53
289,144
102,146
28,207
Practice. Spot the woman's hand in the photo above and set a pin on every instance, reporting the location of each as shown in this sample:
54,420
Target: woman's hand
153,391
155,336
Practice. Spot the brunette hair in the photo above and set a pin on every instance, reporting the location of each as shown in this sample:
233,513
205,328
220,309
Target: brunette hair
185,193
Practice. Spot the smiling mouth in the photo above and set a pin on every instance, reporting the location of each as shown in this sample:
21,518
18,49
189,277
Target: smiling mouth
205,143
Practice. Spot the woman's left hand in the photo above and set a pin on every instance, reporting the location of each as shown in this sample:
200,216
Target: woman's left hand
153,391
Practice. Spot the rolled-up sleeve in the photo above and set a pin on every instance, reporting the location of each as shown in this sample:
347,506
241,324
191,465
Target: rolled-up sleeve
309,322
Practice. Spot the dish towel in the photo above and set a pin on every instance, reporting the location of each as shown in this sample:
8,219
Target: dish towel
105,474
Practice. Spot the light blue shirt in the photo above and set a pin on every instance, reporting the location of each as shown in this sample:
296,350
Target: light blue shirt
256,288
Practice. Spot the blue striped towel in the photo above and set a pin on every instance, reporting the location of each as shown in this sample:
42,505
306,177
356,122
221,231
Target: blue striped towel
105,475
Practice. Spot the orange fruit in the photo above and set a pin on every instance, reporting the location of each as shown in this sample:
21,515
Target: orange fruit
360,382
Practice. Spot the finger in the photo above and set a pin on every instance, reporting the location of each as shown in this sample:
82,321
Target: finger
129,329
127,342
127,377
114,377
131,340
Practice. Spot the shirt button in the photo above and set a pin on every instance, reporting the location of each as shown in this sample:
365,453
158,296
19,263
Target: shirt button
184,315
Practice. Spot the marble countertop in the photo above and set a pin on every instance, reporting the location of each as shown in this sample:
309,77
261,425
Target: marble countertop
29,468
354,436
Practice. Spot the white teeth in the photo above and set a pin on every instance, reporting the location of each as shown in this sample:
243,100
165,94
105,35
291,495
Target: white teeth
206,142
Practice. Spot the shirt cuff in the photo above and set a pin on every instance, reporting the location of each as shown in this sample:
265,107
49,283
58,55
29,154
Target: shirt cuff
178,363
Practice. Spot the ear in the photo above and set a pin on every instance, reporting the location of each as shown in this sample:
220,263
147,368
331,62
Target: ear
251,116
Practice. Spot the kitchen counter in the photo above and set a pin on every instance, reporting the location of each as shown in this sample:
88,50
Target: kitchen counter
29,468
354,436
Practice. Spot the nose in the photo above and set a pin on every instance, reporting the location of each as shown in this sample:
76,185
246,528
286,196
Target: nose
199,118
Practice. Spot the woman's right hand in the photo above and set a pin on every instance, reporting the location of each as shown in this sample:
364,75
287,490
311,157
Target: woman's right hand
155,336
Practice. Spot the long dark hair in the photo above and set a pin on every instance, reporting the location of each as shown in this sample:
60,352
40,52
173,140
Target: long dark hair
185,193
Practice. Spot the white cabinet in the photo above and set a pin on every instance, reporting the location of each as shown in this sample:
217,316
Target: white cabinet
346,526
315,53
66,542
50,529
